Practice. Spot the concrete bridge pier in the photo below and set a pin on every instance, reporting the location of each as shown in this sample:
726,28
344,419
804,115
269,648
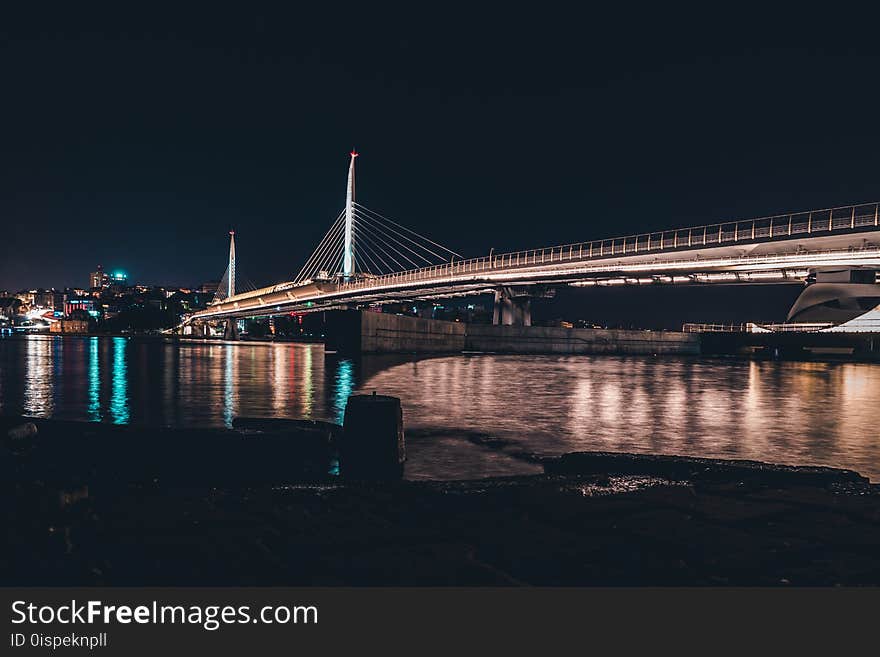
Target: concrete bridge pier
425,309
513,305
354,332
230,331
200,330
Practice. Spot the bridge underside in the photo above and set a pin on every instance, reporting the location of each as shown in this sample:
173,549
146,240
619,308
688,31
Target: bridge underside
837,296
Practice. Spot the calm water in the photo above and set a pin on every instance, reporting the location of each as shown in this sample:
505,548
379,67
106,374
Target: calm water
468,416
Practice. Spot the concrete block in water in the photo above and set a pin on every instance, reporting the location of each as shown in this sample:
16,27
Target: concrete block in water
373,445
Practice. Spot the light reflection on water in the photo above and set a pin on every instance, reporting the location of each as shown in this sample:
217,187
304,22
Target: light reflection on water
94,410
343,387
229,381
467,416
119,391
39,379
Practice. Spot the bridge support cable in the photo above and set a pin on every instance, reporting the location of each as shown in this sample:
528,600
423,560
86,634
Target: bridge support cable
390,242
364,256
388,247
411,236
222,288
243,285
327,243
375,253
328,257
378,246
362,242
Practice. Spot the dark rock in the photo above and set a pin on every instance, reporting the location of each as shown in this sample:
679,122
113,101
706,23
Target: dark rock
699,470
65,453
325,430
22,431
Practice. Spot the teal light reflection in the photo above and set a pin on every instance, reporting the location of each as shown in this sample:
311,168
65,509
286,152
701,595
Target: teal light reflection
344,385
94,411
119,384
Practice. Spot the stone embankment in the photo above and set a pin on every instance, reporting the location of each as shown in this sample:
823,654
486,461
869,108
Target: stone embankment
359,332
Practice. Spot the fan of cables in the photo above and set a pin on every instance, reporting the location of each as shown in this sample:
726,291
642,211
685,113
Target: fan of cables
380,246
240,284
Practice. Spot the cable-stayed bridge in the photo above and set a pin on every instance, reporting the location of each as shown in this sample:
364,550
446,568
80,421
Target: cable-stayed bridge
366,258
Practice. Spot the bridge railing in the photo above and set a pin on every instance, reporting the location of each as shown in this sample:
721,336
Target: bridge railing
831,220
751,327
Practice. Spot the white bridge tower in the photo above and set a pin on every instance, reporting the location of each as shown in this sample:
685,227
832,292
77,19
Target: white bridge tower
348,248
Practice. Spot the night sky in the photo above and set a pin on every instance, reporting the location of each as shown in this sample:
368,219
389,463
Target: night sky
137,139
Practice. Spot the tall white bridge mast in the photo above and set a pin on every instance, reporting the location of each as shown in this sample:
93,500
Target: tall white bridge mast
348,259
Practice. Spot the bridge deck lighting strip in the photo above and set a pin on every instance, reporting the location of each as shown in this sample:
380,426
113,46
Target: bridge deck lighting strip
582,251
777,227
409,281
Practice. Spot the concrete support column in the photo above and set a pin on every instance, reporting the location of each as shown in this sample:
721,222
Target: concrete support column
230,331
198,329
425,309
512,309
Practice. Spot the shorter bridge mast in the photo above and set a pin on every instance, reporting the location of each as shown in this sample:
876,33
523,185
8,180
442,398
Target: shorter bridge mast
230,283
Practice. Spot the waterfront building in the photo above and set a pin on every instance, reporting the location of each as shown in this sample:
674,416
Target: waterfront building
75,326
87,304
49,299
27,298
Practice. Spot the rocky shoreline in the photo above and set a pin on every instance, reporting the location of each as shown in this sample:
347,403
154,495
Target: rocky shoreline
595,519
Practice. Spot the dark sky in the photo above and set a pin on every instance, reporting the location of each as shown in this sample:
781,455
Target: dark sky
137,139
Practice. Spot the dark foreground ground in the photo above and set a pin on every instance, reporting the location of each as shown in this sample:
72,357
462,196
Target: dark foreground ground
651,521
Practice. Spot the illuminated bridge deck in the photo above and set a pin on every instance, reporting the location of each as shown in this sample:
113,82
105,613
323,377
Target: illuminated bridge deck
769,249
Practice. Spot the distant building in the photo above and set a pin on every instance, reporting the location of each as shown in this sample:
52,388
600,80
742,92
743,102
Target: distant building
26,298
9,307
87,304
69,326
49,299
117,279
101,280
98,279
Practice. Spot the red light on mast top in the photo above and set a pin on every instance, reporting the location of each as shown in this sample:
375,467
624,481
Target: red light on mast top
354,153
